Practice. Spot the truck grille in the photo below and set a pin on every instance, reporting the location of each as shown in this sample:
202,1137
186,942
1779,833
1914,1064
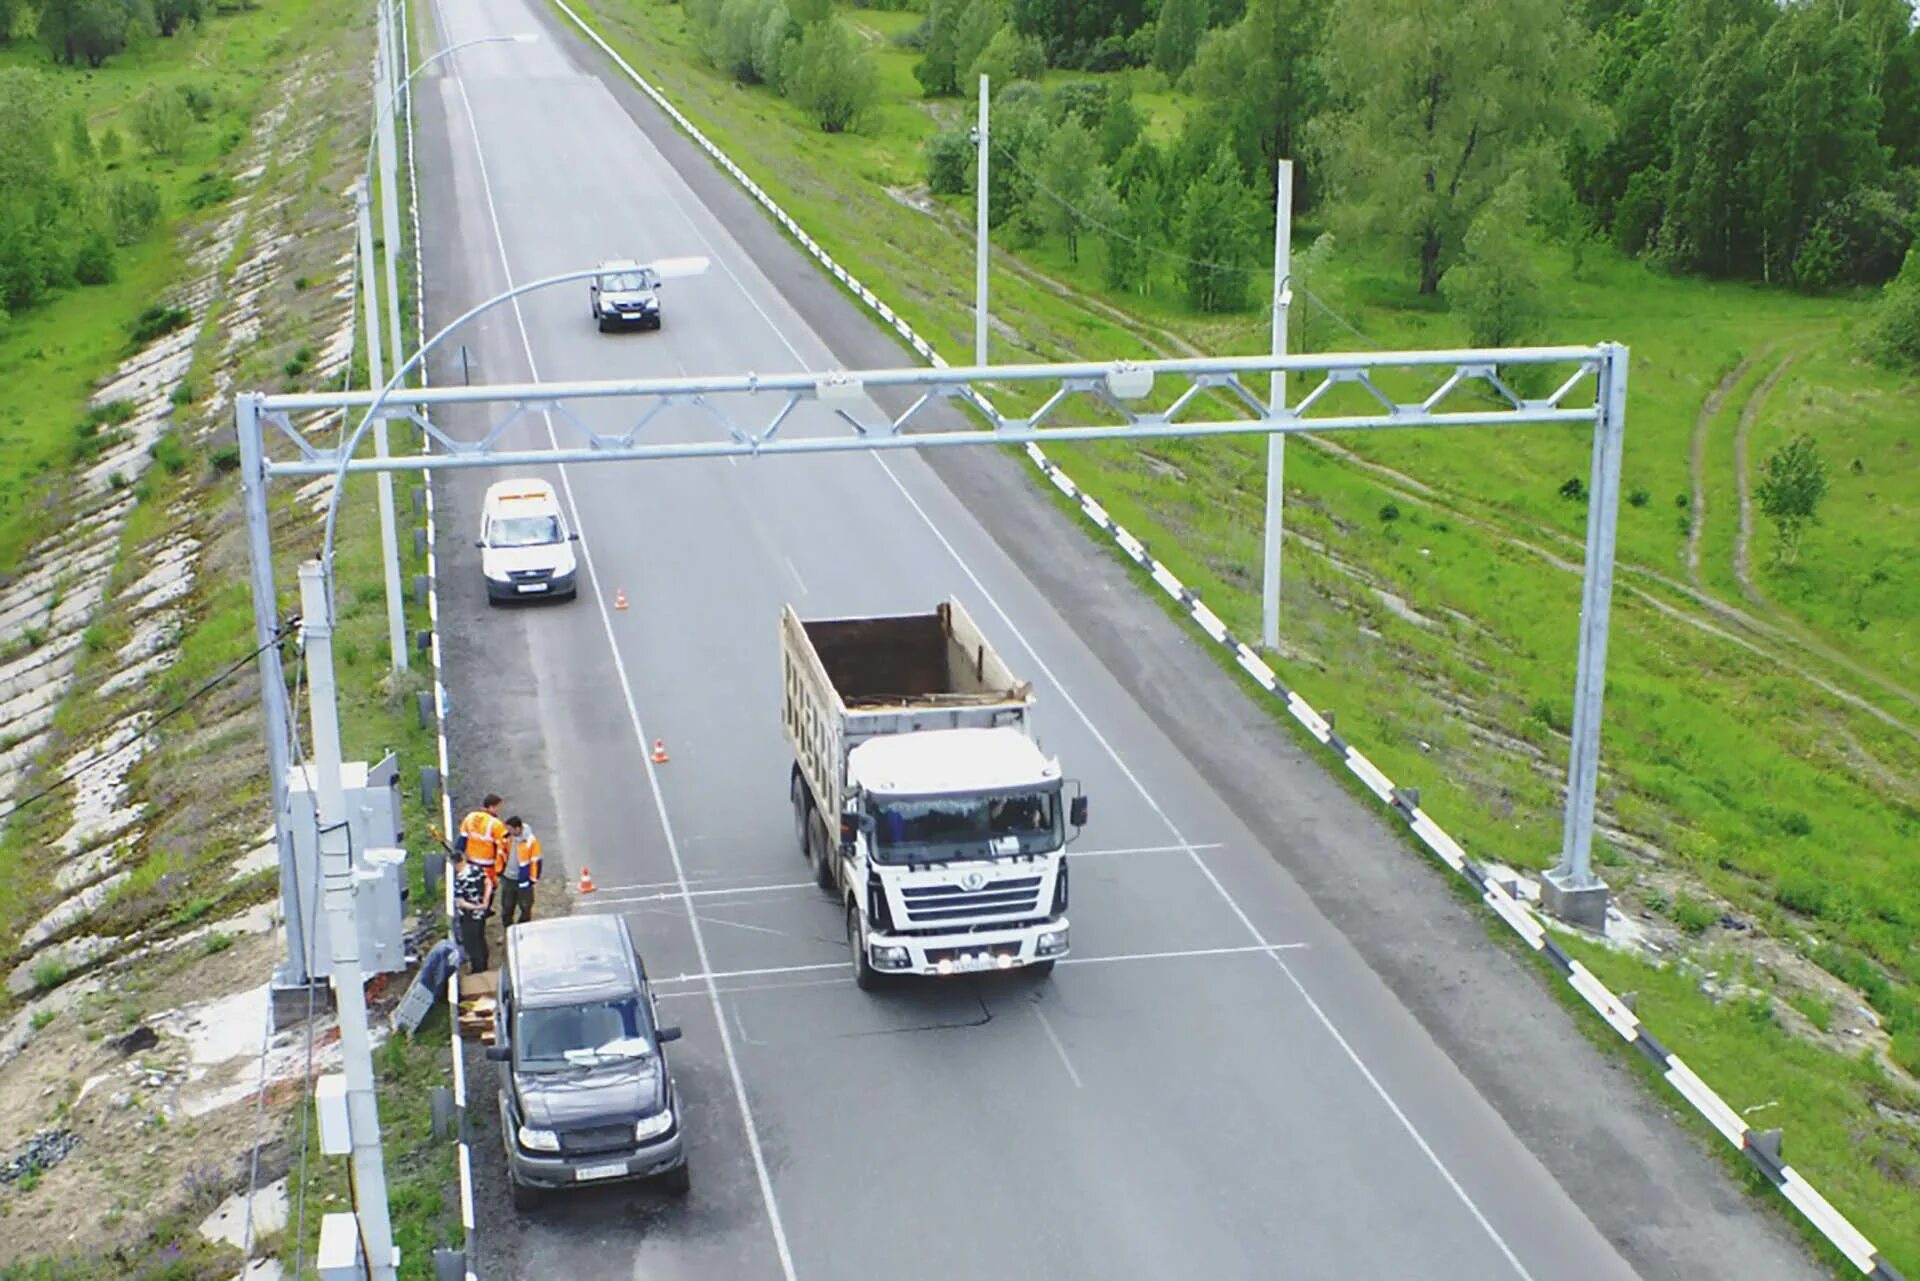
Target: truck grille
601,1138
935,904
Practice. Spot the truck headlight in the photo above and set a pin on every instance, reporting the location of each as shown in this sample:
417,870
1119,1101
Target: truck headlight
652,1127
1051,943
890,956
539,1140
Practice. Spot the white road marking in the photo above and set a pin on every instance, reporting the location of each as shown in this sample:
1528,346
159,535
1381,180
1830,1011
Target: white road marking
615,899
1076,855
1173,829
777,1227
791,567
1175,955
1058,1047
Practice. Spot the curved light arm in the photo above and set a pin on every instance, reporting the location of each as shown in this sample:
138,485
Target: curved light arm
393,102
667,268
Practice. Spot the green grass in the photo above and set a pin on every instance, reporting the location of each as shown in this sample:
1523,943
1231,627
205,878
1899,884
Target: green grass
51,355
1753,781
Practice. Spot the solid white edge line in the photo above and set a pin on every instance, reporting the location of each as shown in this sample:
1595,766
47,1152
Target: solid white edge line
1059,1047
633,713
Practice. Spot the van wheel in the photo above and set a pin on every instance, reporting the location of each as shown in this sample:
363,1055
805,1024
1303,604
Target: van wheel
678,1181
864,975
524,1197
819,851
802,811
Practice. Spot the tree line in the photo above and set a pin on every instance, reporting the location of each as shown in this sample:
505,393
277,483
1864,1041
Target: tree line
69,202
87,32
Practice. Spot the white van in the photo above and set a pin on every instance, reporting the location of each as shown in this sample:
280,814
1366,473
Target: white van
525,546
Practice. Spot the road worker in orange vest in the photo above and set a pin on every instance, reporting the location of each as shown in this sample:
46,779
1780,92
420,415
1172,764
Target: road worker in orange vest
486,838
521,875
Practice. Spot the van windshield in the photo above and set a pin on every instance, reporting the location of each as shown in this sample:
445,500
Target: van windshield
524,531
554,1038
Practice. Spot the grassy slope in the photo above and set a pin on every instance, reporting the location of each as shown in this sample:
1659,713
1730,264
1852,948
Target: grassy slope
52,357
1756,783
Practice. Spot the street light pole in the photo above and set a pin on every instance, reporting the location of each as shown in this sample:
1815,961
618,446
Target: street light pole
981,245
376,377
382,147
1276,402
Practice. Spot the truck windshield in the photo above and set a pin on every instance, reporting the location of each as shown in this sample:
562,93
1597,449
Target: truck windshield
554,1038
524,531
910,831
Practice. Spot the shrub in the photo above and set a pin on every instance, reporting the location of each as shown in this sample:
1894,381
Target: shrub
950,162
93,261
832,77
1639,497
161,120
157,321
133,207
1693,916
225,459
1574,490
1390,511
169,453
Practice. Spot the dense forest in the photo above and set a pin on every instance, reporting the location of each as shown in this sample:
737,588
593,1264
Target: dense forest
1736,139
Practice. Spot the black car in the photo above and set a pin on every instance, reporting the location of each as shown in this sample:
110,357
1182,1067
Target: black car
586,1095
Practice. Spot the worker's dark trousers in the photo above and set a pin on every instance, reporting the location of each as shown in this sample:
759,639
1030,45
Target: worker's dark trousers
516,903
473,941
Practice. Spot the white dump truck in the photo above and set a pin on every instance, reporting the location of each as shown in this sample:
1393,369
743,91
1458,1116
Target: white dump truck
919,795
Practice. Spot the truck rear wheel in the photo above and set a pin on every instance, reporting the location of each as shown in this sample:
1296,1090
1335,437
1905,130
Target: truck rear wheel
802,811
864,975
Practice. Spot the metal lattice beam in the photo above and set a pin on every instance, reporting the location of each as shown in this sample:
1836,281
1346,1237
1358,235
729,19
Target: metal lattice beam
1210,397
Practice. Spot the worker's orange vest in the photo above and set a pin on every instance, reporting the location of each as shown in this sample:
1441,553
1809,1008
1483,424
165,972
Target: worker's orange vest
486,841
529,854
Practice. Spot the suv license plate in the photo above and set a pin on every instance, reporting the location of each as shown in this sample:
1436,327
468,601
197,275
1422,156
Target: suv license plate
613,1171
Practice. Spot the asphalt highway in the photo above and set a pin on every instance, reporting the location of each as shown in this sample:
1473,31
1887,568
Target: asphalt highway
1220,1082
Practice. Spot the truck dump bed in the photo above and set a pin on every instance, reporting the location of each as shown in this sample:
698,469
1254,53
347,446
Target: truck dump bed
850,679
919,660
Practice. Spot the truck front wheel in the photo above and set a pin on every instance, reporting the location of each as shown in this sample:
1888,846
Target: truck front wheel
864,974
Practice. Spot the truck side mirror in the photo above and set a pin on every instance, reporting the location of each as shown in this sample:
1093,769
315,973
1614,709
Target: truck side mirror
849,826
665,1034
1077,811
481,543
499,1052
574,537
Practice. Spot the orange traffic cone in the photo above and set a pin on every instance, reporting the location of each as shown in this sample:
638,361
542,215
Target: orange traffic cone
586,881
619,599
659,751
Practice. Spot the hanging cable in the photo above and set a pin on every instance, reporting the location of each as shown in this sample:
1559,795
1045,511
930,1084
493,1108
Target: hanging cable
222,677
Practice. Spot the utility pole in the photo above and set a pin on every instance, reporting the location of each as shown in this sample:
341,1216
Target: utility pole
981,244
377,378
343,934
1276,402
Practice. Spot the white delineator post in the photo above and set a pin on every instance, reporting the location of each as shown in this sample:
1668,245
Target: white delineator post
980,237
376,375
343,935
1277,401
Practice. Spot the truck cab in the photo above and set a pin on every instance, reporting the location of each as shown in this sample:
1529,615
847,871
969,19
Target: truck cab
625,293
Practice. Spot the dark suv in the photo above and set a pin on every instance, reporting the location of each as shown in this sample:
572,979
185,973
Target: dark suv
585,1091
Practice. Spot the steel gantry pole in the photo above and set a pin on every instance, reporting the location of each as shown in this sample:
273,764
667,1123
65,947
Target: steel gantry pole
1277,404
343,933
981,245
273,683
376,374
1571,890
